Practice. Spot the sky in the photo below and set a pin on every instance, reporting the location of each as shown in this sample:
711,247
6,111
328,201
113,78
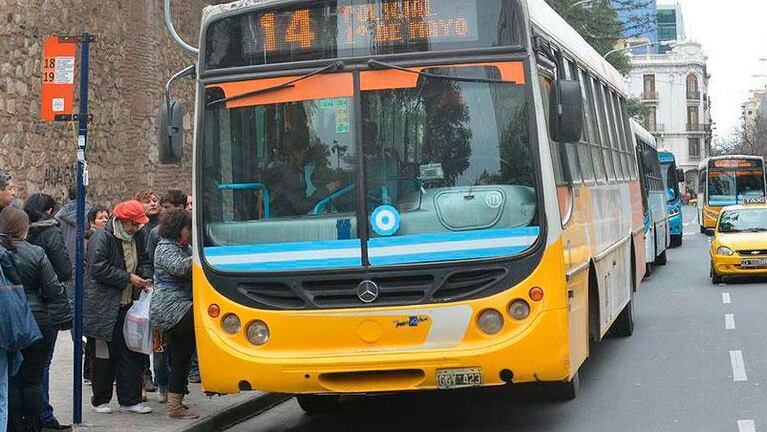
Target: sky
734,37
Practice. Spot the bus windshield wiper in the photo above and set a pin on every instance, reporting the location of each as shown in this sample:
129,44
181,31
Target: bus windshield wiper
375,64
332,67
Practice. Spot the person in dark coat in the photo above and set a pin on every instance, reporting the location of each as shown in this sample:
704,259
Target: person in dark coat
44,231
67,216
46,298
118,269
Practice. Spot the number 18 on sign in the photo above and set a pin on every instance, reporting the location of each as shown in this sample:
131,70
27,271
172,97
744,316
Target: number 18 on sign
58,76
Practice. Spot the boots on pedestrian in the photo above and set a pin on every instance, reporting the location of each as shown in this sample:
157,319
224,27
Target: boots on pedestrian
162,395
176,410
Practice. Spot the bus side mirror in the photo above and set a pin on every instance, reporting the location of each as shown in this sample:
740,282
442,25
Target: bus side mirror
171,132
680,174
566,111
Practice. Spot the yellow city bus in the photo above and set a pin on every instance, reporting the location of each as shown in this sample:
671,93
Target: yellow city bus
727,180
399,195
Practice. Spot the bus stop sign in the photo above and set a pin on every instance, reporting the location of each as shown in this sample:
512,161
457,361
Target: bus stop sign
58,78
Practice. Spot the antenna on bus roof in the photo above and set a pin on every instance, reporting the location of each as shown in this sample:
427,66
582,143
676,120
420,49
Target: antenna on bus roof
172,30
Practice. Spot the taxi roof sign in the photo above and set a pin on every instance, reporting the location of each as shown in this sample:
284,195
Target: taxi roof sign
755,201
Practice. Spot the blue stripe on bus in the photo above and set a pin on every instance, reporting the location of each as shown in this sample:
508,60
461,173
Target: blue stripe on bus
452,237
722,203
446,256
293,265
282,247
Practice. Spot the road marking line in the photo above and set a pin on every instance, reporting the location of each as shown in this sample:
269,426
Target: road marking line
729,321
738,366
746,426
726,298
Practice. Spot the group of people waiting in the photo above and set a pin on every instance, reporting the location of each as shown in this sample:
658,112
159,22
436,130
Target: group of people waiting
142,244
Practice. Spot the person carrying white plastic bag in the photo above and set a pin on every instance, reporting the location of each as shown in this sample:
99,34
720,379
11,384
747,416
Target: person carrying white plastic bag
137,329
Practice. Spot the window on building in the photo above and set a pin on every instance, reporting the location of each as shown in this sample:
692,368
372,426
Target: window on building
650,119
649,87
693,123
694,148
692,87
667,31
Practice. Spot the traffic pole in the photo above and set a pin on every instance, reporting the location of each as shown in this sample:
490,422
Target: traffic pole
82,138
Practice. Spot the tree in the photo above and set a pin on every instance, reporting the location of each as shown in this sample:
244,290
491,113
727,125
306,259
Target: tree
636,109
598,22
749,138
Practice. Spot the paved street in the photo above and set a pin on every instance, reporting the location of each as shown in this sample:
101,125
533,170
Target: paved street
680,371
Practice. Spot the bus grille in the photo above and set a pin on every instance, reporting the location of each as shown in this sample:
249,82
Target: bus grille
393,291
468,283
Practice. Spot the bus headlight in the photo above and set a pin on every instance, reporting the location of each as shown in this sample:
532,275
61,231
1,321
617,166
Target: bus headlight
724,250
673,211
490,321
258,332
519,310
231,323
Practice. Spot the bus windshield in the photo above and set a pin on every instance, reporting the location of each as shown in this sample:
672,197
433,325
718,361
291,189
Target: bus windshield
448,172
668,172
728,186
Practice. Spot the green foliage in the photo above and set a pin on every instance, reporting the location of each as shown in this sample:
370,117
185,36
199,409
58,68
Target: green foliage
597,21
636,109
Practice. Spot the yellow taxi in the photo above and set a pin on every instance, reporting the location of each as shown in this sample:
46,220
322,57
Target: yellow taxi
739,244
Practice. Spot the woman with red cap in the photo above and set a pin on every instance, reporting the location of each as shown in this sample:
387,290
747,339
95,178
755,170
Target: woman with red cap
119,269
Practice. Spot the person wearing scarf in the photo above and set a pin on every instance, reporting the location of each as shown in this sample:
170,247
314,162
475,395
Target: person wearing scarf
119,269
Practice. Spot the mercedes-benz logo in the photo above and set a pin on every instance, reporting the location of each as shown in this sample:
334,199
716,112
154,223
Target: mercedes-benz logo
367,291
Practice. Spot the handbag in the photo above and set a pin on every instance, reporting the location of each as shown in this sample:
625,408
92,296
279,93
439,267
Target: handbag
18,328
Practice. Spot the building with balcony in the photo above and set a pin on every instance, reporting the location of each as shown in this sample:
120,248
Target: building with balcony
673,87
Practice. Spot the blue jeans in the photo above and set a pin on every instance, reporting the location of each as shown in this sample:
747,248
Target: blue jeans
161,367
3,389
194,368
47,410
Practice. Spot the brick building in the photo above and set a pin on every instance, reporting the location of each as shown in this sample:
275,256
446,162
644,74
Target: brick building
130,63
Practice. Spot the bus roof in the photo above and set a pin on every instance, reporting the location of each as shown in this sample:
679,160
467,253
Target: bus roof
547,21
665,156
641,132
704,163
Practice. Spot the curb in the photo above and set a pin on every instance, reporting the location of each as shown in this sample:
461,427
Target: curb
237,413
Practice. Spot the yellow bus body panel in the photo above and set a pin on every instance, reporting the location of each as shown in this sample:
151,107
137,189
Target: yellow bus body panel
375,350
710,216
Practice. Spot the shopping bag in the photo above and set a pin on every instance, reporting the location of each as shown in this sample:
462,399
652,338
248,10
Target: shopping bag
137,329
18,328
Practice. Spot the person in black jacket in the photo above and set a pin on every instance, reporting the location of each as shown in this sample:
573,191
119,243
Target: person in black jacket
46,298
118,269
45,231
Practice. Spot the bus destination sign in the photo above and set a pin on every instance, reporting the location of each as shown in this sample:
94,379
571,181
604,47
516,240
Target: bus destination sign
359,28
390,22
736,163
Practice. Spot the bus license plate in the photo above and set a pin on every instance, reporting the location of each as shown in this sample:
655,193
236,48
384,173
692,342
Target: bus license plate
754,263
458,378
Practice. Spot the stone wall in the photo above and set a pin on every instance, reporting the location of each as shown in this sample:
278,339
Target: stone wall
130,62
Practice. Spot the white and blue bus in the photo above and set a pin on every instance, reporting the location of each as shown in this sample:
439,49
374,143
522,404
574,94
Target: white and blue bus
657,233
672,176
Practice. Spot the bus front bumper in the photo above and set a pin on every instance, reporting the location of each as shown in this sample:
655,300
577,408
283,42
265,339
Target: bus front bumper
540,353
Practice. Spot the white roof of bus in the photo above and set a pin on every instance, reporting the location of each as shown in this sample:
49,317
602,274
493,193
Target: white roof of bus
704,162
548,22
640,131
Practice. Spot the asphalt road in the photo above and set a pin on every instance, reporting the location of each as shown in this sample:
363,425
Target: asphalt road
697,362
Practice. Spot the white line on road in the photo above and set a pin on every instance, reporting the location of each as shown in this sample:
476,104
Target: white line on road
729,321
738,366
726,298
746,426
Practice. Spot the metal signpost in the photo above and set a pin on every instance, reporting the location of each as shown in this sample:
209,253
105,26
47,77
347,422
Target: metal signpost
57,94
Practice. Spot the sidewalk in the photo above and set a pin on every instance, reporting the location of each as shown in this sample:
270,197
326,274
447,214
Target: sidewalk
207,407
